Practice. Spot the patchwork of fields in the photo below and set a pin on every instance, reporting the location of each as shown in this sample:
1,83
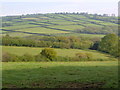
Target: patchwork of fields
57,24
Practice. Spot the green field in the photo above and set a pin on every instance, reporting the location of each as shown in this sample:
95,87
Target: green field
58,24
97,74
60,52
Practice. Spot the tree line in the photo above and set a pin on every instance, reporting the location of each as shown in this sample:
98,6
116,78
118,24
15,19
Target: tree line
48,41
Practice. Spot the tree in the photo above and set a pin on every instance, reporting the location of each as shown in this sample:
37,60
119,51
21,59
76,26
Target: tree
95,46
49,53
109,44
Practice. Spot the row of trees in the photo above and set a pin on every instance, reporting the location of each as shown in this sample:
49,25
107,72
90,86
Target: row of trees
54,42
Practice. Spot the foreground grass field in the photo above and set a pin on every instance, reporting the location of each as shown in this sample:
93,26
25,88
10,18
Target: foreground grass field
60,52
103,74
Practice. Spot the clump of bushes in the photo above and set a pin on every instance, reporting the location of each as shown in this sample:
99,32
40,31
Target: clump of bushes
40,58
6,57
83,56
27,57
49,53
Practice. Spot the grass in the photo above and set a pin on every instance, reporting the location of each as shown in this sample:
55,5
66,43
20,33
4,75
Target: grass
83,35
95,74
19,26
52,23
60,52
17,34
41,30
68,27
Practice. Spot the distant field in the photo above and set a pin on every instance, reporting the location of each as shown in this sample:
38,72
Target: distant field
93,74
60,52
82,35
41,30
51,24
66,27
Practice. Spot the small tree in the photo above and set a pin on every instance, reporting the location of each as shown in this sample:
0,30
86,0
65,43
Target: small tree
49,53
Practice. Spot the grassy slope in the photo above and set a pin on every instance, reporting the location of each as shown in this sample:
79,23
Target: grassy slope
60,74
64,22
60,52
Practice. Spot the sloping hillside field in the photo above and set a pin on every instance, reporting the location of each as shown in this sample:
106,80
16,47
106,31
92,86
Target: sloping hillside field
60,52
58,24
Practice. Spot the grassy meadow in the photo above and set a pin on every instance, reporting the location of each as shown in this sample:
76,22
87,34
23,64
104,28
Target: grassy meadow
94,74
60,52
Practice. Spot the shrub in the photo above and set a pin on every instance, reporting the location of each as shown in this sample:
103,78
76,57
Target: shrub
39,57
27,57
6,57
83,56
49,53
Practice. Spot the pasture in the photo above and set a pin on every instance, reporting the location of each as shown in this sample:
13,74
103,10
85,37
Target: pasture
60,52
52,24
93,74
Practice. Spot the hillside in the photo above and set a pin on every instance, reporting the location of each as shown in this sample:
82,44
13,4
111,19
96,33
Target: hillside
60,52
65,24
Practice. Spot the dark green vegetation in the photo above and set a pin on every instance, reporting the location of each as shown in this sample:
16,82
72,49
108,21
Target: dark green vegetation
100,74
57,24
109,44
49,41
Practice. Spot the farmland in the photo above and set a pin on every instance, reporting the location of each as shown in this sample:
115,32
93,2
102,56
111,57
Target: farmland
58,24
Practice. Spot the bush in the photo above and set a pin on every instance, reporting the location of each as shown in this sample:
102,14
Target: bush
27,57
49,53
41,58
83,56
6,57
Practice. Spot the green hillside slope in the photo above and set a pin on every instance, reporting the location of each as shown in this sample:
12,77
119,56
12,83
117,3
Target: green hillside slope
66,24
